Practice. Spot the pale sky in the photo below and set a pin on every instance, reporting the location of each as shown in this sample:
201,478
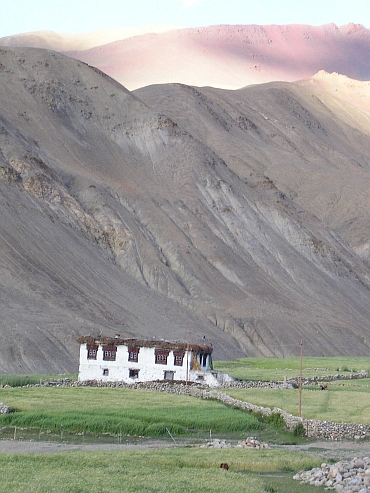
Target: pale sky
77,16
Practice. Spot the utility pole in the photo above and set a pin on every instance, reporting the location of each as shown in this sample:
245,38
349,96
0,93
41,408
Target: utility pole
300,382
187,357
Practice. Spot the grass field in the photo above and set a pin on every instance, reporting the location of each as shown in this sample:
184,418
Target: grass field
115,411
272,369
351,405
190,470
136,412
344,401
22,380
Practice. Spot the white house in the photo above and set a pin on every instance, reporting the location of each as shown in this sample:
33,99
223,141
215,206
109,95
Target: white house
133,360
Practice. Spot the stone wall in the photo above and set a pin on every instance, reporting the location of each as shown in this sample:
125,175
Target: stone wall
328,430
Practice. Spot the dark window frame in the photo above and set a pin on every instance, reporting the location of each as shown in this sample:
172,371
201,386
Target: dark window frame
203,359
133,373
178,358
109,353
133,354
92,351
161,356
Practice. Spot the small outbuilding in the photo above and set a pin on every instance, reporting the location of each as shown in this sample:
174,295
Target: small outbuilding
132,360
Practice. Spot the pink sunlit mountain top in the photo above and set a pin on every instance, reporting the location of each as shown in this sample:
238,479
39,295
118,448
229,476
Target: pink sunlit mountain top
224,56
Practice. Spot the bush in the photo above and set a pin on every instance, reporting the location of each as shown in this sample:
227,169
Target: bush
275,419
299,430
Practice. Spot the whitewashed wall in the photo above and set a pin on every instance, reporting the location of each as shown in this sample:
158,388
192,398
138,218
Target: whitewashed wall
119,369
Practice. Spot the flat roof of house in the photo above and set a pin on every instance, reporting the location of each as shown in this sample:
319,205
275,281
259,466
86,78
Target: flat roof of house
138,343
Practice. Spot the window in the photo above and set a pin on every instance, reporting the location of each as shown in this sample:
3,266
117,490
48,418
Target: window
169,375
203,359
109,353
133,354
178,358
161,356
92,351
133,373
105,372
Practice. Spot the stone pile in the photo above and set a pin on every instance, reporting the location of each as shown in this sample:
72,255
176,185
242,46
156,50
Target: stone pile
4,409
343,476
248,443
251,443
216,443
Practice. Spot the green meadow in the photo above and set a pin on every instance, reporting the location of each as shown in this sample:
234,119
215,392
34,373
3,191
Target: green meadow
183,469
102,411
272,369
120,411
22,380
343,401
116,412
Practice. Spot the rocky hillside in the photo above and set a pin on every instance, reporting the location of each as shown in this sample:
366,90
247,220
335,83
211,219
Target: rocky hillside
177,212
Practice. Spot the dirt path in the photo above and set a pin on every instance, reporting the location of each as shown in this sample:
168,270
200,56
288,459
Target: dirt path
329,450
325,449
23,446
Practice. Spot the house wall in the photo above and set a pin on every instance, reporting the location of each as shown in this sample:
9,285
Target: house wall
119,370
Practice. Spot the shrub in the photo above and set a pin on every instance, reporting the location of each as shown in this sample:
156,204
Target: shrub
275,419
299,430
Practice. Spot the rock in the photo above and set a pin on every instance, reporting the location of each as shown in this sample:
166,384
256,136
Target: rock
338,477
248,443
4,409
334,472
345,477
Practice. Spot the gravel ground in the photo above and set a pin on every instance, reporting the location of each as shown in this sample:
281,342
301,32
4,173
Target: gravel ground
332,450
23,446
325,449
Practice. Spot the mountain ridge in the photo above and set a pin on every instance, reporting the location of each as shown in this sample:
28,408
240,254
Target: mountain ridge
224,56
176,210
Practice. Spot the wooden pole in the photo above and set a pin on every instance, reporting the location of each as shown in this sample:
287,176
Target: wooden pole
300,382
187,358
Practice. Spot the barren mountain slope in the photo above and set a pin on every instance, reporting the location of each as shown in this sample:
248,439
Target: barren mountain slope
119,219
310,138
58,264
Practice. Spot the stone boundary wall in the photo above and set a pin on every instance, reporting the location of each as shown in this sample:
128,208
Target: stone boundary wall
294,381
328,430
